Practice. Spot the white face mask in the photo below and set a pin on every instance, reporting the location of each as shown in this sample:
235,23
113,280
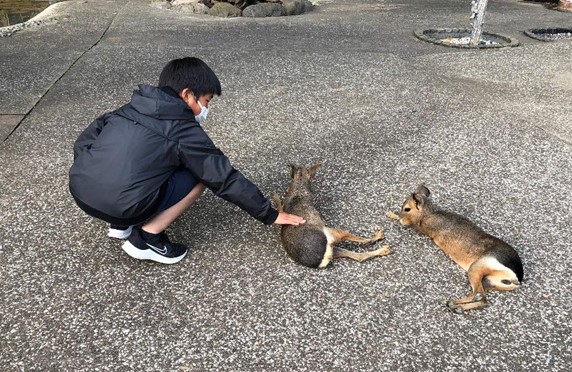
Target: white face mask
200,118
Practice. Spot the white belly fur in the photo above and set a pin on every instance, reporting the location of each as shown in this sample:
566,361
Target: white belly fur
329,249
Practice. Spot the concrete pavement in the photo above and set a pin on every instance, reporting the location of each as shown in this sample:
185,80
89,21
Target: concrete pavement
489,132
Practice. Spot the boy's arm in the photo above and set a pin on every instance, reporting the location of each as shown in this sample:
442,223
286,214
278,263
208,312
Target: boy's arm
88,136
214,170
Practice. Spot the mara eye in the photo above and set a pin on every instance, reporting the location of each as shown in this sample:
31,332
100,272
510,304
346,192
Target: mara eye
506,282
406,209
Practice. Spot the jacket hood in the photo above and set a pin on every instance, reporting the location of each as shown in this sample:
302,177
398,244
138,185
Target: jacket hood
154,102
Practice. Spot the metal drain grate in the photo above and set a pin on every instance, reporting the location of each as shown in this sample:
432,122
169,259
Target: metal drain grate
459,38
549,34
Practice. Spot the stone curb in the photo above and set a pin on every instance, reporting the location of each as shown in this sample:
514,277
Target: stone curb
47,16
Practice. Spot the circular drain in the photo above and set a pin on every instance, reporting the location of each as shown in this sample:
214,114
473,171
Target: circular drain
549,34
459,38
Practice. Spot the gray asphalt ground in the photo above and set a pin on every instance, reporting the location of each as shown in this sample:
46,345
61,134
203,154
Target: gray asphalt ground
488,131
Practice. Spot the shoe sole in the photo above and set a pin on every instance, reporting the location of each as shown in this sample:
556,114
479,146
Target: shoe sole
120,234
149,255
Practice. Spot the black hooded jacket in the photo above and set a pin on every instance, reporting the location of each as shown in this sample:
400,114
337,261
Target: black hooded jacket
124,157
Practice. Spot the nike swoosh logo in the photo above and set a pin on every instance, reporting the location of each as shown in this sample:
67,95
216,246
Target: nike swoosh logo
162,251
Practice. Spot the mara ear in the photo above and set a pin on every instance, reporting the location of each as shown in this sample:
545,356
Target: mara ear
422,191
311,171
420,195
418,199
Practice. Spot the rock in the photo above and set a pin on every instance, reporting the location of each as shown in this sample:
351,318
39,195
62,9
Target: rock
227,8
233,2
196,8
161,4
295,7
184,2
565,5
264,10
224,10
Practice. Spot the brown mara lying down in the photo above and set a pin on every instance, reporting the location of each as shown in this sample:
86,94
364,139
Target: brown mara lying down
491,264
312,243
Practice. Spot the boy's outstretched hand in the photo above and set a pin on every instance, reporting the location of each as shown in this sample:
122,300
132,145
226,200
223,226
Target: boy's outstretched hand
288,219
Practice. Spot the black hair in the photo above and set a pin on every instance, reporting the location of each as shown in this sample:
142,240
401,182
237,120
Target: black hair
192,73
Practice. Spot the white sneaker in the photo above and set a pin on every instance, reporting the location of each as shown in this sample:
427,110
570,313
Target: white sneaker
119,232
158,248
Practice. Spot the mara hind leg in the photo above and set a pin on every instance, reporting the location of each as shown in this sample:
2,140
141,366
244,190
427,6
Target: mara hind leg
477,298
341,235
360,256
502,279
